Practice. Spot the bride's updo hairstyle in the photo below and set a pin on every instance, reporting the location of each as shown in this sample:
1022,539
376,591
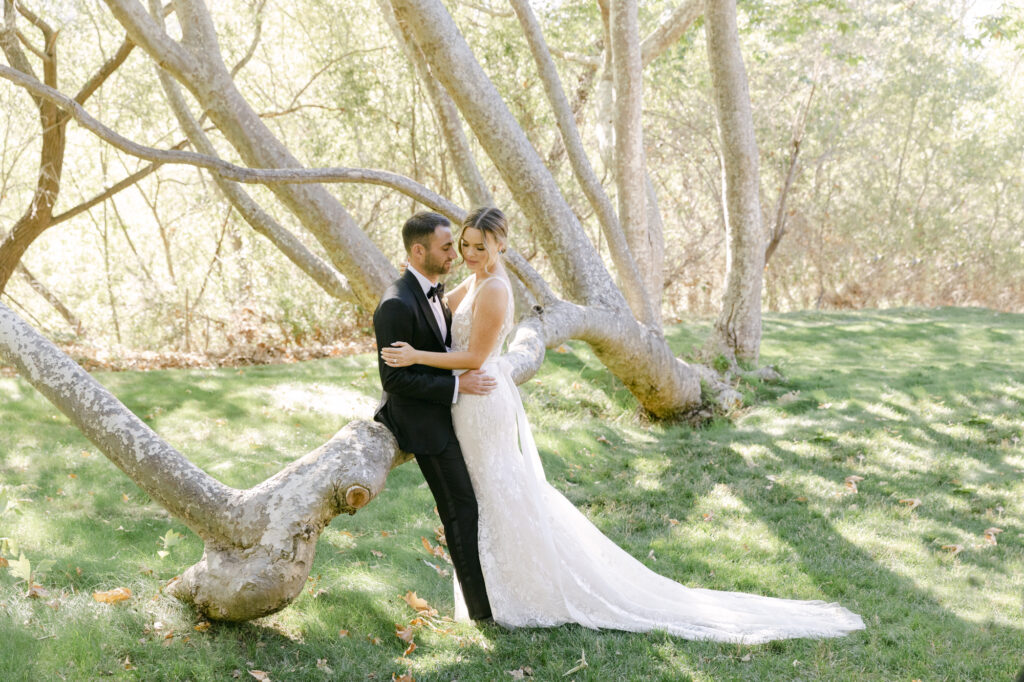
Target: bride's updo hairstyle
493,226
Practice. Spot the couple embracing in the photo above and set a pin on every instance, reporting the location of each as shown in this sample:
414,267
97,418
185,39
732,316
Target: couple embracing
523,555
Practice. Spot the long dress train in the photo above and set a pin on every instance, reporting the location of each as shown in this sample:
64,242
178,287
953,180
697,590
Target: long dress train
545,563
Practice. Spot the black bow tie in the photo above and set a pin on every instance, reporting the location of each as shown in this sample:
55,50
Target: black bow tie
436,291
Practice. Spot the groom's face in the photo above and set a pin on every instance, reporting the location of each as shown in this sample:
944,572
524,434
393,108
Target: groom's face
439,253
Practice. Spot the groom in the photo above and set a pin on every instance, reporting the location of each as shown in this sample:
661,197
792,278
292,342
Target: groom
417,400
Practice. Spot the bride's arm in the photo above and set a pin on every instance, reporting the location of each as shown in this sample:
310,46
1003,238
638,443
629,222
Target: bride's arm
488,315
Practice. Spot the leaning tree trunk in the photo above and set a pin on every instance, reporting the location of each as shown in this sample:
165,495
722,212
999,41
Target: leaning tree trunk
636,354
259,543
737,331
196,62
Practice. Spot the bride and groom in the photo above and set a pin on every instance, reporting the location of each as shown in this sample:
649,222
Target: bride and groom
523,554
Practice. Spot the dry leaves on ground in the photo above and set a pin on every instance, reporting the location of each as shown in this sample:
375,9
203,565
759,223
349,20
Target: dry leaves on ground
113,596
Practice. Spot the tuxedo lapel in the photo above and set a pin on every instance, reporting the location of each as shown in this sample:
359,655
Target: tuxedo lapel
424,305
448,325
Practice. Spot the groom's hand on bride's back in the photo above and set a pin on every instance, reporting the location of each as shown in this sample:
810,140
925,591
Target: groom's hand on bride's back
476,382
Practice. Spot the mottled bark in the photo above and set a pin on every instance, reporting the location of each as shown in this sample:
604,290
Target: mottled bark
466,168
737,331
197,64
629,274
259,543
575,260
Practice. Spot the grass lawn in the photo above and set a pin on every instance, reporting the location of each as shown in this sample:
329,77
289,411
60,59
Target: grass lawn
925,406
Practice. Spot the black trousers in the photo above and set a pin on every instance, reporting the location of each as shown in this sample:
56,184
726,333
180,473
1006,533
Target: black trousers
452,488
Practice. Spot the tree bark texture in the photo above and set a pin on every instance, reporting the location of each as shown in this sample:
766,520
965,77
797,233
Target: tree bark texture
259,543
197,64
737,331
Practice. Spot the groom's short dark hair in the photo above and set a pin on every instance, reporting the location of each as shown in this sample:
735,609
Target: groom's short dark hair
417,229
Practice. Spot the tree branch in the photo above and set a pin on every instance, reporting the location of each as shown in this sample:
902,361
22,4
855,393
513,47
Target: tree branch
329,279
144,32
105,71
670,30
466,168
633,288
253,43
264,176
110,191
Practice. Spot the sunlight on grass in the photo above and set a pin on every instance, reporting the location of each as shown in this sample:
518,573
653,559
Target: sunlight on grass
922,406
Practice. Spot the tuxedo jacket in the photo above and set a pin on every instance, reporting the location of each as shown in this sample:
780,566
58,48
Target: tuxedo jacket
416,404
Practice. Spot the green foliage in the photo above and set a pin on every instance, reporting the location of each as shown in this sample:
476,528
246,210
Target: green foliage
924,404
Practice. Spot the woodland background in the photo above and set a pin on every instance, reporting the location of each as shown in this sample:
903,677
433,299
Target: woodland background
897,124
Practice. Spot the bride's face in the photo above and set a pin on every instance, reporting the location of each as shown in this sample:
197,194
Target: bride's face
477,249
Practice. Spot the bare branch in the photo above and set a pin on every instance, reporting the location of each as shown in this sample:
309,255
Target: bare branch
255,40
109,192
670,30
634,288
105,71
51,298
585,59
144,32
264,176
30,47
486,10
466,168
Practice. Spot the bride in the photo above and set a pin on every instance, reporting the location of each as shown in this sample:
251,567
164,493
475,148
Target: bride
544,563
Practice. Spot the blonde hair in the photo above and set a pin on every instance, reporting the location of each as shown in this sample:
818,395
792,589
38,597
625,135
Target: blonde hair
490,221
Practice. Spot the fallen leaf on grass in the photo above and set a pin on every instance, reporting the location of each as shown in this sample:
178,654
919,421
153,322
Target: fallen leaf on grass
911,502
787,398
112,596
602,439
443,572
373,640
852,481
419,604
321,664
708,516
404,633
202,627
562,349
409,649
991,533
407,677
127,663
520,673
37,591
437,551
673,522
953,549
260,675
342,633
377,553
4,563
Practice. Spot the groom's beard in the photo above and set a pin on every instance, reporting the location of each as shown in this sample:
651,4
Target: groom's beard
436,267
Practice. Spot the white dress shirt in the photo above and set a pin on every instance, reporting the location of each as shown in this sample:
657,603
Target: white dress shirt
435,306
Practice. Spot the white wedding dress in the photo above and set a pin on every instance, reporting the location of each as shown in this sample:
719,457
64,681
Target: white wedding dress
545,564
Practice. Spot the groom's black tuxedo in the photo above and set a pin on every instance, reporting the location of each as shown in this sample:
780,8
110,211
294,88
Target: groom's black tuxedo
416,405
417,400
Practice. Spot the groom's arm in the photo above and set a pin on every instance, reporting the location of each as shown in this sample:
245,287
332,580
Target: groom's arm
393,321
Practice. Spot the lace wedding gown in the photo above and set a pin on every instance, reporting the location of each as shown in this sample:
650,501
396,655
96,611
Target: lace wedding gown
545,564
